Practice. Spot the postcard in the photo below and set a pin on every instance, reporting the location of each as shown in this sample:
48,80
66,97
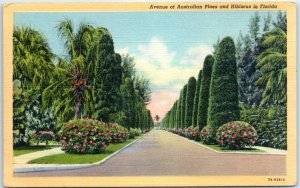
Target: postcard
149,94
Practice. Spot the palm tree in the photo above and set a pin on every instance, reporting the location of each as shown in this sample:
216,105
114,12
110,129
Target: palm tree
157,118
71,90
272,62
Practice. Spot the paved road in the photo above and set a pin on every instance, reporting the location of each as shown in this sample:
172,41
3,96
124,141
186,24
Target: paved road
161,153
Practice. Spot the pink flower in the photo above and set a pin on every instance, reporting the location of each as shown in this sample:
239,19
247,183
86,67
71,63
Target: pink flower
65,144
74,125
64,138
225,135
79,134
234,135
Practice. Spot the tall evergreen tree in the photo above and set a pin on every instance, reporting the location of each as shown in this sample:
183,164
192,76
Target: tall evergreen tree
223,103
247,50
190,94
178,113
180,120
106,86
196,100
128,103
183,106
204,92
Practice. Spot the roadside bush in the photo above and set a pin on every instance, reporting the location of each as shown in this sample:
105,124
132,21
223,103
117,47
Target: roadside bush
270,124
236,135
85,136
134,132
43,136
193,133
207,135
117,133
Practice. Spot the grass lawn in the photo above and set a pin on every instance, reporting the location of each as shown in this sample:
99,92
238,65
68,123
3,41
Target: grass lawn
29,149
218,148
67,158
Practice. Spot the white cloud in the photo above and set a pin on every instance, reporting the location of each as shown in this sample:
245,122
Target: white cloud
167,73
156,61
157,52
196,55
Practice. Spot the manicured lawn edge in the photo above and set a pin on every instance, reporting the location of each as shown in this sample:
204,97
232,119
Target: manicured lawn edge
22,150
217,149
85,159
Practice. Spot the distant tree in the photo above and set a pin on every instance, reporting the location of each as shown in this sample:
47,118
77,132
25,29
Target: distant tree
223,102
190,94
157,118
281,21
196,100
142,85
204,92
267,22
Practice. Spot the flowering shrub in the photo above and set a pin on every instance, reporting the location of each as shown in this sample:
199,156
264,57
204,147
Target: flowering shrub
85,136
117,133
192,133
43,136
206,135
134,132
236,135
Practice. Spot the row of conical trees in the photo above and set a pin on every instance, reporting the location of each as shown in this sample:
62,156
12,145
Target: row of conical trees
212,99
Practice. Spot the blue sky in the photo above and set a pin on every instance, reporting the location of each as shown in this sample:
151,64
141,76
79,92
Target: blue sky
168,47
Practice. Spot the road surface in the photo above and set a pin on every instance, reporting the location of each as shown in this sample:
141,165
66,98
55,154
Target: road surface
161,153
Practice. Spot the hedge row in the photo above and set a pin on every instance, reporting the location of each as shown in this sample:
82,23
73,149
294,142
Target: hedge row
93,136
232,135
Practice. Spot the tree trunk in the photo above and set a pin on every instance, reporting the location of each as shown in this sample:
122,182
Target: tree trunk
77,109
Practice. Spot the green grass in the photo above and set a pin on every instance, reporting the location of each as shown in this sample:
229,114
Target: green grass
218,148
68,158
29,149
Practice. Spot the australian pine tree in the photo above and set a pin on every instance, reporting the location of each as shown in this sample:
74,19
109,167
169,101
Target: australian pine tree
196,100
204,92
128,102
178,113
247,50
180,109
224,103
183,106
190,94
106,87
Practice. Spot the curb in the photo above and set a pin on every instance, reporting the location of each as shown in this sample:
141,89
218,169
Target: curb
76,166
228,152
